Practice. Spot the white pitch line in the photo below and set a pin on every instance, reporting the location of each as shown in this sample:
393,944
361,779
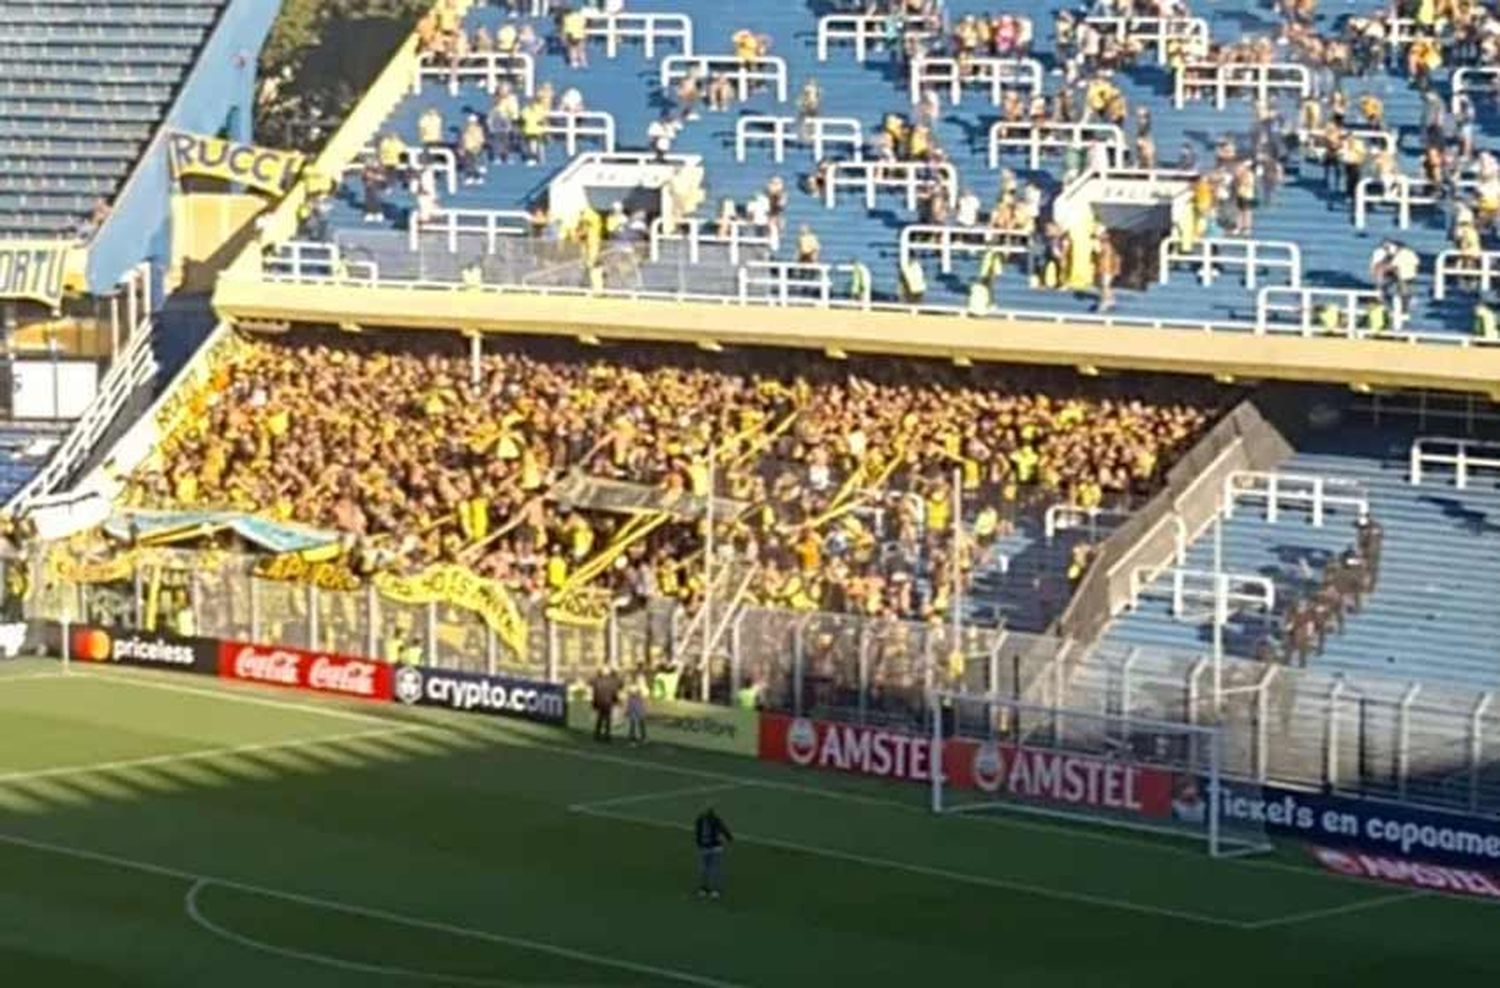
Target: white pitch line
230,696
644,797
1349,907
397,919
1040,891
195,913
202,754
22,677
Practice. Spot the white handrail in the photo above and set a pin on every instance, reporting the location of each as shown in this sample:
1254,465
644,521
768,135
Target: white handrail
996,74
867,29
1318,493
1402,192
1259,80
490,67
1063,517
1461,87
1305,304
815,132
1211,253
872,176
946,241
692,230
1484,266
441,160
769,69
1050,135
1457,453
589,124
302,259
491,224
1239,590
649,28
1380,141
786,280
1159,32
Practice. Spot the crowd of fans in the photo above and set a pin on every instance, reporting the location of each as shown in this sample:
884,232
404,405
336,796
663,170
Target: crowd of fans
840,474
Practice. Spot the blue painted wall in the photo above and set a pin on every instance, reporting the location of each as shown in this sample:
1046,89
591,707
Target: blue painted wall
220,86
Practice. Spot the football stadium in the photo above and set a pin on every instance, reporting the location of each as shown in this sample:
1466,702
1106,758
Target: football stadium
749,492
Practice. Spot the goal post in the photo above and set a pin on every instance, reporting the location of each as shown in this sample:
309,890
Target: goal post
995,754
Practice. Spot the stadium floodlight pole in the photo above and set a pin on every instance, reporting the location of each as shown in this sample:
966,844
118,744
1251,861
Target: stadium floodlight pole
708,573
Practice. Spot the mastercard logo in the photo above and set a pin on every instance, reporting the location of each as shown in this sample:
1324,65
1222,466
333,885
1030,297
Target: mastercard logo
92,645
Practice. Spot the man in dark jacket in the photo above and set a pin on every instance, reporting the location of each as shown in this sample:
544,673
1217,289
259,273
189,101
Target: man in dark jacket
606,694
710,834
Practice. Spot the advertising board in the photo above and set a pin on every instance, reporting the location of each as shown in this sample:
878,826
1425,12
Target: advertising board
727,730
320,672
146,649
499,696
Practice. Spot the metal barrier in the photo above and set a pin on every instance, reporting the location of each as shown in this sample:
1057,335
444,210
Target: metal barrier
488,67
491,224
1211,253
1259,82
1463,455
1305,304
1239,590
1378,141
1280,490
648,28
1159,32
946,241
783,281
589,125
1462,85
1052,136
995,74
691,230
1481,267
872,176
814,132
441,160
867,30
770,70
1067,517
1402,192
299,260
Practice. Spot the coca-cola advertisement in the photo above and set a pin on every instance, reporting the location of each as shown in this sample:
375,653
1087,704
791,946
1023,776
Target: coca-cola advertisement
281,665
1040,774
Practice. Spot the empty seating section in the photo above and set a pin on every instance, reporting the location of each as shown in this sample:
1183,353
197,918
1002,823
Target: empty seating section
1432,616
862,76
83,86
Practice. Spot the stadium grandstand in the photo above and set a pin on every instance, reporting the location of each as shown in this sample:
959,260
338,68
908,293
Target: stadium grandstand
1115,382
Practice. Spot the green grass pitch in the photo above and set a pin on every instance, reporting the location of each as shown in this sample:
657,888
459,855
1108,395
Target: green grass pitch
167,830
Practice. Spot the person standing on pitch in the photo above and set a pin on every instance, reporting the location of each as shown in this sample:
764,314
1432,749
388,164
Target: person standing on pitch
710,833
606,688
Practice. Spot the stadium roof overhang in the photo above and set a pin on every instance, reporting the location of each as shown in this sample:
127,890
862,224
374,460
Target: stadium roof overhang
1360,363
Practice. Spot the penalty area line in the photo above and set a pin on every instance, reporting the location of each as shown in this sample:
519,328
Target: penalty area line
367,912
646,797
1041,891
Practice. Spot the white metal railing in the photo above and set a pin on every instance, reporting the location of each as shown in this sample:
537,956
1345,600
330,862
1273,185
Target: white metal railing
1259,82
769,69
1463,455
1482,267
440,160
489,68
865,31
491,224
595,125
1239,591
302,259
1209,254
1159,32
1306,305
1052,136
647,28
815,132
132,366
946,241
1066,517
1278,491
1378,141
1401,192
1463,86
696,232
872,176
994,74
783,281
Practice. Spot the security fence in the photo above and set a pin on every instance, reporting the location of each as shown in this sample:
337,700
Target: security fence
1390,739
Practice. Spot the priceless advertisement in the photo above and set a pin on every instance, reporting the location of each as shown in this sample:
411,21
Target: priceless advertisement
727,730
1033,774
147,649
500,696
279,665
1381,828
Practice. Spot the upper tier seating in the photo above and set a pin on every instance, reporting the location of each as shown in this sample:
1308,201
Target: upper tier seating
1334,254
83,86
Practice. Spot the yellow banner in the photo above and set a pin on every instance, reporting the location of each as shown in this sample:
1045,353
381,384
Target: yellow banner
213,157
461,587
294,567
34,269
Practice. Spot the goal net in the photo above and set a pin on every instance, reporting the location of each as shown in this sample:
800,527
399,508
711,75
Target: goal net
997,754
